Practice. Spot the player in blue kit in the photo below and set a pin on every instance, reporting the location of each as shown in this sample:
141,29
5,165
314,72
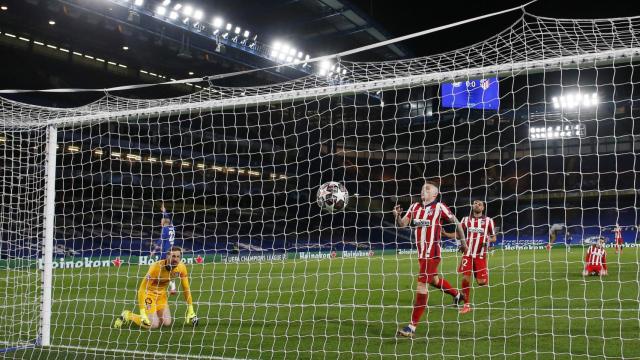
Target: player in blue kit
166,241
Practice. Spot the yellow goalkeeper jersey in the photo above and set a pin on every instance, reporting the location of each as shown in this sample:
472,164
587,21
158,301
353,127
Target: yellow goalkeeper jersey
158,277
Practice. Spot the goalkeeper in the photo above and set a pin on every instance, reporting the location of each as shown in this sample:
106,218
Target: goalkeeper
152,294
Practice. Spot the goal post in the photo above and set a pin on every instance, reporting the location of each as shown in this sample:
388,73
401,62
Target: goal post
49,219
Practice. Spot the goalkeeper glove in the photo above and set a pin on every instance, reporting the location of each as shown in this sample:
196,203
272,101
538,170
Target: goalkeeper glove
144,318
191,317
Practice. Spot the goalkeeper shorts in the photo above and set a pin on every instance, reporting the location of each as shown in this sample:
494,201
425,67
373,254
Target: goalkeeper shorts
155,302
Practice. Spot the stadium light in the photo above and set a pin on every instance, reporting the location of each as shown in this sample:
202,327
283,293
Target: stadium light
138,2
575,101
198,14
217,22
166,2
237,31
173,15
52,22
229,27
161,10
187,10
246,33
556,132
4,8
177,7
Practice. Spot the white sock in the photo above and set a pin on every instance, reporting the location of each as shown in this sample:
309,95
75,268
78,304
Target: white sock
172,286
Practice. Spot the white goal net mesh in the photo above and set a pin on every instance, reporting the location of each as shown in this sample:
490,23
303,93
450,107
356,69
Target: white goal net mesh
538,122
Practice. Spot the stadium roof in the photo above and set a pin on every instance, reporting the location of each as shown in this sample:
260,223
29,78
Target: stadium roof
105,43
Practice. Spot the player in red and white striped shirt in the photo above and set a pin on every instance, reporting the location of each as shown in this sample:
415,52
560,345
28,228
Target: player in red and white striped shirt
617,232
426,217
480,230
596,259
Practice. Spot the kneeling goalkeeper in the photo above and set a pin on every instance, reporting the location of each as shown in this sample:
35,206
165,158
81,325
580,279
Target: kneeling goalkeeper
152,294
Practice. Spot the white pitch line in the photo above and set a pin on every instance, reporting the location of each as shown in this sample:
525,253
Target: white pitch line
155,354
375,306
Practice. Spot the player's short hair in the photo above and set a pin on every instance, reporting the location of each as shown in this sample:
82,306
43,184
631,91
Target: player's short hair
432,184
176,248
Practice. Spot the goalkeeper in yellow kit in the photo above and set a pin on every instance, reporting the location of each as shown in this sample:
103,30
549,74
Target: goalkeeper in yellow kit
152,294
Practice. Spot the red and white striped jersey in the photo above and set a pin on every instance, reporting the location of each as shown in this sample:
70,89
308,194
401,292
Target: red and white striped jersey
427,220
477,229
617,232
596,256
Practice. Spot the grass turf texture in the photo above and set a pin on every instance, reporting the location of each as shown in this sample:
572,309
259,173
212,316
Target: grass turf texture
537,306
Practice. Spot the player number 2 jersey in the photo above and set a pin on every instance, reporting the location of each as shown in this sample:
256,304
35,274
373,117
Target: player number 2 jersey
427,221
477,229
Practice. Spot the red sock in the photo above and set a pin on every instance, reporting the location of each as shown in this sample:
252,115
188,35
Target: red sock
466,290
446,287
418,308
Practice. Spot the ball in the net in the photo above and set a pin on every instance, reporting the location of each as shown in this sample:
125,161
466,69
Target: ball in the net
332,196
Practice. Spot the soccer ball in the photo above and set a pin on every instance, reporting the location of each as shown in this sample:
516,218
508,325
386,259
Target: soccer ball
332,196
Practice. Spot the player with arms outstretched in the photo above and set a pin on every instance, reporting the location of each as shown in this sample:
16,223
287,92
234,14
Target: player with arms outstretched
480,230
152,294
166,242
426,216
596,259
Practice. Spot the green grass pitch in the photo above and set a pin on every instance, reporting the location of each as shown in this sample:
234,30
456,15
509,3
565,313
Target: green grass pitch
537,306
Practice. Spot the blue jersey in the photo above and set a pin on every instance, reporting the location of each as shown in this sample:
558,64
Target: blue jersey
167,238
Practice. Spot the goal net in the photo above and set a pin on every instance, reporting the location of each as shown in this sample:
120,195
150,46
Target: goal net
537,121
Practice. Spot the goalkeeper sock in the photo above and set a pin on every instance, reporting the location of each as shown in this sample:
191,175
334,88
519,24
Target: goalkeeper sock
446,287
137,319
466,290
418,308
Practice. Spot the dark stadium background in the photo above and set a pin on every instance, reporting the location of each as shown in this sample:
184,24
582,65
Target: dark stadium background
525,194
